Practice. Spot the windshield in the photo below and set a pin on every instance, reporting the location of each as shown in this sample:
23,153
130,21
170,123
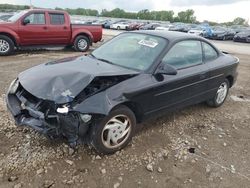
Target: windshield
17,16
131,50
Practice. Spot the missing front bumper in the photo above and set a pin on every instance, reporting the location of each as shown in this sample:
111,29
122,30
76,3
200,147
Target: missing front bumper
53,126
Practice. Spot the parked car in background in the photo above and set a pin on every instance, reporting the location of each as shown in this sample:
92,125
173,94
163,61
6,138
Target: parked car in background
5,17
198,31
150,26
132,77
204,31
188,27
164,27
134,26
222,33
238,28
107,24
180,27
120,25
243,36
42,27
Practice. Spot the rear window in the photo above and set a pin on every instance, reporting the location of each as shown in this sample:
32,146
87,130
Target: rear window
56,19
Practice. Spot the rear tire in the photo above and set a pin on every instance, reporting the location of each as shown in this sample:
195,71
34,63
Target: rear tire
220,95
114,131
6,45
81,43
118,28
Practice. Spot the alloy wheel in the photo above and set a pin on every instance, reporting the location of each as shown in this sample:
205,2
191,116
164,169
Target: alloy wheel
4,46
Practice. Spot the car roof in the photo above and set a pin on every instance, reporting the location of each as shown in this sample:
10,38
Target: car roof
169,35
45,10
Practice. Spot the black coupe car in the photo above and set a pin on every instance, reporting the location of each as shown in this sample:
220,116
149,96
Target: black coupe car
243,36
222,33
134,76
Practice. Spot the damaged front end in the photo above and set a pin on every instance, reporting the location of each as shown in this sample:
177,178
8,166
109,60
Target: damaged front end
44,116
53,119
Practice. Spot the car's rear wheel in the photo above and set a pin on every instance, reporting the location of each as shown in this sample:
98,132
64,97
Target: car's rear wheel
113,132
118,28
6,45
220,95
81,43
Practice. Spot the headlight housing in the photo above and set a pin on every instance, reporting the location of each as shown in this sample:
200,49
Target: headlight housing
13,86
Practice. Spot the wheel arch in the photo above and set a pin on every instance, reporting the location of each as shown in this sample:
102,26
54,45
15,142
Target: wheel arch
10,36
84,34
134,107
230,79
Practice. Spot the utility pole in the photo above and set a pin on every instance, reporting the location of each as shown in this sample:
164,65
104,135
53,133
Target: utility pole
31,6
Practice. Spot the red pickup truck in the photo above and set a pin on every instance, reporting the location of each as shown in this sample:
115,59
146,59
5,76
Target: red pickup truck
41,27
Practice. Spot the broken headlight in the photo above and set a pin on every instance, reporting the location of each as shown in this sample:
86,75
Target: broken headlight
13,86
63,110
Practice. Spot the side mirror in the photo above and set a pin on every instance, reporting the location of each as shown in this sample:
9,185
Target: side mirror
166,69
26,21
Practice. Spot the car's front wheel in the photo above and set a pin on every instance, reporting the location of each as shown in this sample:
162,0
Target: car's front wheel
220,95
113,132
6,45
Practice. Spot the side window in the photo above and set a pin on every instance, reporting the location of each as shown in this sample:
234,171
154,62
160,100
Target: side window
36,18
184,54
209,52
56,19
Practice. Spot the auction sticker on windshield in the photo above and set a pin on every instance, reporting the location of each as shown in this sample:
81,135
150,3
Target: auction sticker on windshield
148,43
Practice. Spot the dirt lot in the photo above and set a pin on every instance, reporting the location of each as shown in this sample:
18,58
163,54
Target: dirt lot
195,147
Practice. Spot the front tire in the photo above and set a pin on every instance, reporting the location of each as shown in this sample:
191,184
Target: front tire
113,132
220,95
6,45
81,43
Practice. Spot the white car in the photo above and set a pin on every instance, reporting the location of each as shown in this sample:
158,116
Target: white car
163,27
197,31
120,25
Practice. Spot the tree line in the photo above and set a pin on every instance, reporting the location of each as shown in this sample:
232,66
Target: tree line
164,15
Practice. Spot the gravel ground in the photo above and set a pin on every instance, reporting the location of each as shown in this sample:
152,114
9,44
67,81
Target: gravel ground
194,147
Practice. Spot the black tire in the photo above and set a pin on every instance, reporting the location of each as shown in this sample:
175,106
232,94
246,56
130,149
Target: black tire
85,46
214,102
10,44
97,132
118,28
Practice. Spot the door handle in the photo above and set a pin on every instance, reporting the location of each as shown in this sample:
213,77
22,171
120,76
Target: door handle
45,27
64,27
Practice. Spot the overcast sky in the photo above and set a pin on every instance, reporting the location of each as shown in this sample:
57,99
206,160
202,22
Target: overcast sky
213,10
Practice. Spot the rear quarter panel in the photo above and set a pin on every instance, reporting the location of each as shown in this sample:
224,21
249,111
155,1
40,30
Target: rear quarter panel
225,66
93,31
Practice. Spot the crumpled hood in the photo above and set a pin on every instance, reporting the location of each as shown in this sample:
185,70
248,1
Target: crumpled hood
60,81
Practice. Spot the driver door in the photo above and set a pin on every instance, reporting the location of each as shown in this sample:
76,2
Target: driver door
189,85
35,32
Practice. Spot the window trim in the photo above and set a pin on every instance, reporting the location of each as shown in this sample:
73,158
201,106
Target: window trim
52,13
36,13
